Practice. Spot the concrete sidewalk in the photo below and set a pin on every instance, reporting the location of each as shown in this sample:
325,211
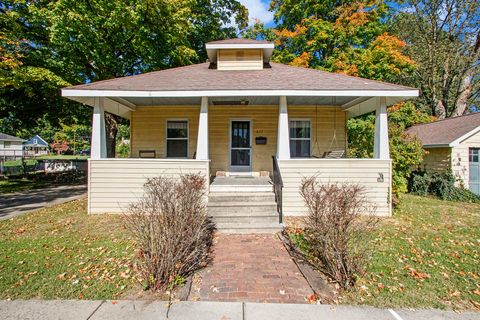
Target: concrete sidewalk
202,310
18,203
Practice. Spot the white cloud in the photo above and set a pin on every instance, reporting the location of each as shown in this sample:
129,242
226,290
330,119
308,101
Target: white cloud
258,9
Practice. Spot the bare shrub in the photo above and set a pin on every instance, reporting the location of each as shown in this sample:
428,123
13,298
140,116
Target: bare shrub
338,228
172,230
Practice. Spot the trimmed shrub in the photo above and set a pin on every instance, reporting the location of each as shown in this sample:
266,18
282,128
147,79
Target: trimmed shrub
172,231
338,228
441,185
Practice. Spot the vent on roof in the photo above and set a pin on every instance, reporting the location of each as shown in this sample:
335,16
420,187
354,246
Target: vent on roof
231,103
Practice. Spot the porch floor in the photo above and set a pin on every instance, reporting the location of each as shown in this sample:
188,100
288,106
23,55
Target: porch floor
251,268
241,181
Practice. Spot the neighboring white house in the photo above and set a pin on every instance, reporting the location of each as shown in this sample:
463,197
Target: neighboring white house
11,147
239,119
453,144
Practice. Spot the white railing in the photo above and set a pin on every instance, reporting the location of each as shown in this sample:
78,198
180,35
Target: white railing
374,175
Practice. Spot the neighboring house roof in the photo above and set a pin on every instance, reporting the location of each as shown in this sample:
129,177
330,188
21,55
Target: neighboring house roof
39,142
447,132
6,137
200,77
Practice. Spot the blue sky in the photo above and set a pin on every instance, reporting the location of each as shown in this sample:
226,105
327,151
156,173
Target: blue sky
258,9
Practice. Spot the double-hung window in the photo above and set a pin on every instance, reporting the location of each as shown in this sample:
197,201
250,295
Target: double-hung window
300,138
177,139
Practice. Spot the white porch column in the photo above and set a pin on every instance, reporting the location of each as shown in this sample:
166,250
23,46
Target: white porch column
381,149
283,137
202,139
98,149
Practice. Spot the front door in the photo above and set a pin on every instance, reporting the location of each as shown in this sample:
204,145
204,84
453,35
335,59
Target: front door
240,146
474,179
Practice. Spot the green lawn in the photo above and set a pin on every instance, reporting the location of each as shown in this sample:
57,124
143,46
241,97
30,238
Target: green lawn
61,252
16,185
428,256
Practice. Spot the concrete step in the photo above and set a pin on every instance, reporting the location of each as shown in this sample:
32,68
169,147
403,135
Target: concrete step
245,228
240,188
216,197
246,219
233,208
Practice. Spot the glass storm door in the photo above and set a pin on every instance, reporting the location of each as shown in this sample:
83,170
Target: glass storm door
240,147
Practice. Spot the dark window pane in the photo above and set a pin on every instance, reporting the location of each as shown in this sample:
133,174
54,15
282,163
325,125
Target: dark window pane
177,129
240,158
177,148
240,134
299,129
299,148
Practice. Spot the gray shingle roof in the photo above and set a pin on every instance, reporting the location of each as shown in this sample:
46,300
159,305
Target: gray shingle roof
6,137
200,77
445,131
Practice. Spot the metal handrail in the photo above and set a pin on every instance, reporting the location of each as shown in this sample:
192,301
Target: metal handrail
277,188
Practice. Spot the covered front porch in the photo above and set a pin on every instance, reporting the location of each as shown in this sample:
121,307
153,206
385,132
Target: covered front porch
229,136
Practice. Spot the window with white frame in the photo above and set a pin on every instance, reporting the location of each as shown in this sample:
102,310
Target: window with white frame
177,139
300,138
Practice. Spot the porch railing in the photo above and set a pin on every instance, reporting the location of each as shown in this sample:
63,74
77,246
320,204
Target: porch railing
277,188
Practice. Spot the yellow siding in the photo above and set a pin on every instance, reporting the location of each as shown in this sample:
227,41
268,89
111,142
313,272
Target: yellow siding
325,122
228,59
148,128
264,121
437,159
364,172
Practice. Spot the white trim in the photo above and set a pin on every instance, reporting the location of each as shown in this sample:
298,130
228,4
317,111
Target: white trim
301,139
178,139
149,159
456,142
381,149
283,132
236,93
202,135
216,46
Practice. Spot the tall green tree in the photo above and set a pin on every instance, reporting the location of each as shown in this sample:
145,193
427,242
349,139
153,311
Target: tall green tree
77,41
443,37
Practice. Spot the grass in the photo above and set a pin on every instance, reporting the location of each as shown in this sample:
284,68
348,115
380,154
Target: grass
428,256
23,184
63,253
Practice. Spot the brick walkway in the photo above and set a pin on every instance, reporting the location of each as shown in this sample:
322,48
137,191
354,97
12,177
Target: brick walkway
252,268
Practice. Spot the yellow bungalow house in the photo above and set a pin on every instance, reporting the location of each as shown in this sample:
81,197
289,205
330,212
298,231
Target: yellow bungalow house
250,125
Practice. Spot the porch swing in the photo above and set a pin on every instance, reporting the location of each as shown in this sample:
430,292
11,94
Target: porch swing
334,151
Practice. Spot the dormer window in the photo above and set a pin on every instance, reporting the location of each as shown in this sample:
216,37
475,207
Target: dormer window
239,54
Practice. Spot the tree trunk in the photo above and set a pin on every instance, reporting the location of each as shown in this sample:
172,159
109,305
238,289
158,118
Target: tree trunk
111,128
463,97
440,111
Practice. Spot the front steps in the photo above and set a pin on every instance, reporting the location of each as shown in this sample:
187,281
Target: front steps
243,205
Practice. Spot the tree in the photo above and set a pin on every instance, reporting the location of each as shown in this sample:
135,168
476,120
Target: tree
348,37
443,37
65,42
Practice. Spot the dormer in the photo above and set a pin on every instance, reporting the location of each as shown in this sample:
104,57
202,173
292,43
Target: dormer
239,54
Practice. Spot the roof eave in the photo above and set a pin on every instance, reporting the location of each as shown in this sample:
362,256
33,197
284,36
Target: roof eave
406,94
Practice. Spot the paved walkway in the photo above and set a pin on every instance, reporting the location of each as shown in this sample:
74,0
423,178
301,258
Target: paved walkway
15,204
253,268
203,310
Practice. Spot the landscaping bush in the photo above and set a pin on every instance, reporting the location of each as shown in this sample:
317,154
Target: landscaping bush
172,231
441,185
338,228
